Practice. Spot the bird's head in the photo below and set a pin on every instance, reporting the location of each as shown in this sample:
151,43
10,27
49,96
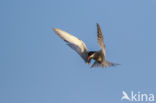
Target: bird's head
90,56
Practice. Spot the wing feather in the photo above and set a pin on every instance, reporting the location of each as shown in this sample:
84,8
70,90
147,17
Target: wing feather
100,39
73,42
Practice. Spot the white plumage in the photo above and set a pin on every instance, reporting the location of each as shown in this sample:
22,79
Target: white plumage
75,43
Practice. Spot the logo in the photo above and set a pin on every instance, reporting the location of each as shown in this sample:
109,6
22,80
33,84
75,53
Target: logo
137,96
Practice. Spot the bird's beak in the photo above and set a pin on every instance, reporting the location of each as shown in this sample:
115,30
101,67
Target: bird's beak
88,60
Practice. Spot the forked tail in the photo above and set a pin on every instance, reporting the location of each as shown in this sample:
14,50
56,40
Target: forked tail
105,64
108,64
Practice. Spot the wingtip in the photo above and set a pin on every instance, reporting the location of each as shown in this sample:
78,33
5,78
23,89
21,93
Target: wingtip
97,24
54,29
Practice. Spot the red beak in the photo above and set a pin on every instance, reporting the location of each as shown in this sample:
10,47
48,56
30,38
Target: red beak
88,58
88,61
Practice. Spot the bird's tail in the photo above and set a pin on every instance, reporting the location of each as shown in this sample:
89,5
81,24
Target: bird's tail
108,64
105,64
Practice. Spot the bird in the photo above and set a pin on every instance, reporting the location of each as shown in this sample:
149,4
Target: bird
79,46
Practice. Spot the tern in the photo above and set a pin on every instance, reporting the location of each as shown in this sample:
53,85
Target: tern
79,46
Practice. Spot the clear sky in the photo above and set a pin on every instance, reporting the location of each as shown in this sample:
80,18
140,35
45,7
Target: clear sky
37,67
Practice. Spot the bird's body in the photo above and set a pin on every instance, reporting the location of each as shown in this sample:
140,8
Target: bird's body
80,47
98,56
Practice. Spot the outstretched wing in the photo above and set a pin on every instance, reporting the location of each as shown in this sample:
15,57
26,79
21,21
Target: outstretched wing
100,38
75,43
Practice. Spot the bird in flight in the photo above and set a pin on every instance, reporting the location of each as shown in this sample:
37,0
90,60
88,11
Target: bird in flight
80,47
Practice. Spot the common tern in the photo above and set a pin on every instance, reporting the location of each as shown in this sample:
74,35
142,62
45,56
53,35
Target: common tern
80,47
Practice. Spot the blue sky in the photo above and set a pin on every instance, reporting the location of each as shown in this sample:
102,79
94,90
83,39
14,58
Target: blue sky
37,67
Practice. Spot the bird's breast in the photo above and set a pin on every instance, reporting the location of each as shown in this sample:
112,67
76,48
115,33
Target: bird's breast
99,59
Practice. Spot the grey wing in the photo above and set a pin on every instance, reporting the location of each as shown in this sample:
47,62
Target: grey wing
83,54
100,38
75,43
